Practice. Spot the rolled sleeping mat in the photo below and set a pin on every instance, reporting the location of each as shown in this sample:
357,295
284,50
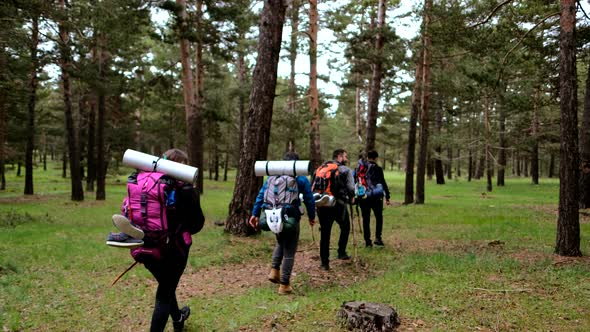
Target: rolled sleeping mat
149,163
282,167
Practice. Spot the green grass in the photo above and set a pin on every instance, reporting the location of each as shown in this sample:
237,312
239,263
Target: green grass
462,261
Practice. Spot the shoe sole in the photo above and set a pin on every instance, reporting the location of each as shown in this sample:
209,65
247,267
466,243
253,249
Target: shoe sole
124,225
124,244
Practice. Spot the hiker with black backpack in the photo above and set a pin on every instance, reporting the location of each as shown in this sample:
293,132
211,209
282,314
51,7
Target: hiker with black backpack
371,183
333,183
162,213
278,209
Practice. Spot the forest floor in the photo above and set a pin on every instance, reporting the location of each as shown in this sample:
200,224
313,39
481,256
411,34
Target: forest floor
462,261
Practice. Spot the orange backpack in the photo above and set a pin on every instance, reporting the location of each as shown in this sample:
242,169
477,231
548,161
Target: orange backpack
325,179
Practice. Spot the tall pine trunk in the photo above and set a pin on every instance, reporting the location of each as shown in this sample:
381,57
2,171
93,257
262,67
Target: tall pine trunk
31,107
375,88
3,106
411,154
502,148
584,151
535,148
291,135
425,103
568,222
101,168
257,132
438,165
91,144
314,103
77,191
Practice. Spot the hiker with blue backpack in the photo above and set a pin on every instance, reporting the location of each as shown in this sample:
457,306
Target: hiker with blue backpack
278,209
373,188
159,215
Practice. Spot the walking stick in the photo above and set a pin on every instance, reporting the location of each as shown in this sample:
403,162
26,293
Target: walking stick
122,274
358,218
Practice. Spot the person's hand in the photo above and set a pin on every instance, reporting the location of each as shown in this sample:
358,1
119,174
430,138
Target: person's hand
352,201
311,222
387,202
253,222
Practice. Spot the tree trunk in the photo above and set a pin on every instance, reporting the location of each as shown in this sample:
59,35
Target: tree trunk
375,90
429,166
470,167
552,166
449,163
225,165
257,132
241,98
195,120
502,148
3,124
584,151
291,135
101,122
314,103
425,103
535,148
458,163
416,93
438,165
77,193
481,164
568,222
358,111
31,107
91,158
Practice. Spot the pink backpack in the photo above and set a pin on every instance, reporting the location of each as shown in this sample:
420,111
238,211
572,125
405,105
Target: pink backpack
146,207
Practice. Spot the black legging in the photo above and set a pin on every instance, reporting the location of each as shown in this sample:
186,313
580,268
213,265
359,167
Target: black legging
167,272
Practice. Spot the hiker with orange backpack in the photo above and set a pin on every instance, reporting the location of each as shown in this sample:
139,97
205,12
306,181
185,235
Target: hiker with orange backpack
162,213
333,185
280,195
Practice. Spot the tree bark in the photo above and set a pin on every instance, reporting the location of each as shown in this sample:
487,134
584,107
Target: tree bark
77,191
101,168
535,147
31,107
3,124
257,132
91,144
449,162
291,135
568,223
552,166
195,123
425,103
375,90
410,156
438,165
584,151
314,103
502,143
358,111
470,167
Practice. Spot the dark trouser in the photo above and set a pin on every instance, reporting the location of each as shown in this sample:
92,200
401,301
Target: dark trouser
366,205
284,253
167,272
327,216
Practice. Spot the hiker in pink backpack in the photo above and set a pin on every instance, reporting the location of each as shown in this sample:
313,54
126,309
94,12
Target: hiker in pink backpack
163,212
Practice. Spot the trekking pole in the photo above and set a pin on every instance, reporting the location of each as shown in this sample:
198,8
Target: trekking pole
358,218
122,274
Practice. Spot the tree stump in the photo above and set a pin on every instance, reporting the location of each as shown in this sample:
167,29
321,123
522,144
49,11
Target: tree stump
366,316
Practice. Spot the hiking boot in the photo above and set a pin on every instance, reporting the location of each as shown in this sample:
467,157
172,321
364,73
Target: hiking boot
185,312
378,242
325,267
274,276
125,226
344,257
369,244
123,240
285,289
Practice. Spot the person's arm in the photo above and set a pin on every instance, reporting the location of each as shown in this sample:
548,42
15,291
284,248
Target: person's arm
304,187
257,208
384,183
